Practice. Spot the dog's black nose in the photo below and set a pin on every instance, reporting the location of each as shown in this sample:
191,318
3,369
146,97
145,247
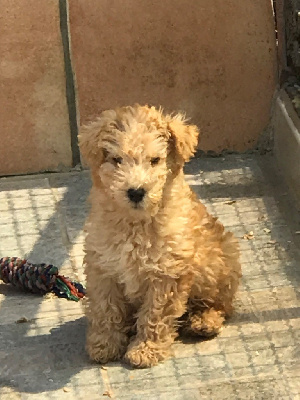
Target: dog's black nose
136,195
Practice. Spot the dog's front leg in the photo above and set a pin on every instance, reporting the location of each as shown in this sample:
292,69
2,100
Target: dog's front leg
164,303
107,312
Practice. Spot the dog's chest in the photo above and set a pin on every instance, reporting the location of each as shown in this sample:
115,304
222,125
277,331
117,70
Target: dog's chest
132,256
139,259
135,254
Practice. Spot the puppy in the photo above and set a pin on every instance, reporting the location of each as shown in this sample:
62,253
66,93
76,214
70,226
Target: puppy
155,260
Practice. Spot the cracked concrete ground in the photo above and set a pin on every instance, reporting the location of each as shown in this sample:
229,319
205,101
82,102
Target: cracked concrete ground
257,355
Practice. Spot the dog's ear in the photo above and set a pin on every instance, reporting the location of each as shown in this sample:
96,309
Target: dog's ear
90,138
183,136
89,142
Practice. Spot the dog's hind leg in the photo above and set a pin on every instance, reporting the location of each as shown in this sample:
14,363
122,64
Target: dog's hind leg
205,323
214,289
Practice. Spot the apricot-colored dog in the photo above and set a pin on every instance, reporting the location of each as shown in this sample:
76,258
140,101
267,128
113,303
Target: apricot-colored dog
155,259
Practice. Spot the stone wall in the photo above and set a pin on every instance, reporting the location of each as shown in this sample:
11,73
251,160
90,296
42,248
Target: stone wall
34,130
215,60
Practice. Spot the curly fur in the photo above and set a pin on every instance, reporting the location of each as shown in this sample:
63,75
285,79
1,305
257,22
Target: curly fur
155,266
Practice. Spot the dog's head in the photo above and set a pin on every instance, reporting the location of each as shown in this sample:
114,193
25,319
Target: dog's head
134,152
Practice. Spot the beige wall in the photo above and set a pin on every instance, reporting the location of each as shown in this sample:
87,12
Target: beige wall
34,130
214,59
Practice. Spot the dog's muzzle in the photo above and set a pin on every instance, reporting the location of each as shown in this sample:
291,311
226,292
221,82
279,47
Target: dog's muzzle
136,195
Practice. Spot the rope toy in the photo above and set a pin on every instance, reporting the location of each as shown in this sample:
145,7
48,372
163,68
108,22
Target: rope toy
39,278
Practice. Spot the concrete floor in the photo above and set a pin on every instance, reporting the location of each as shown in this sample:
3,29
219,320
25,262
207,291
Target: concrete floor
257,355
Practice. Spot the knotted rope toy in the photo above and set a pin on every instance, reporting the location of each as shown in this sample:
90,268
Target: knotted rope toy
39,278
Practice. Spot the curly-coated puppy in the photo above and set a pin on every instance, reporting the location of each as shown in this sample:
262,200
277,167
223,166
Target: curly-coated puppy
155,259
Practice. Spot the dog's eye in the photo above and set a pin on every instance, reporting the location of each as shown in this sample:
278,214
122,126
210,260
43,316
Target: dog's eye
155,160
117,160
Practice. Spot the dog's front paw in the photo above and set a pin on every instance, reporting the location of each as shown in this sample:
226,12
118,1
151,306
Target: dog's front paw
103,348
144,354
